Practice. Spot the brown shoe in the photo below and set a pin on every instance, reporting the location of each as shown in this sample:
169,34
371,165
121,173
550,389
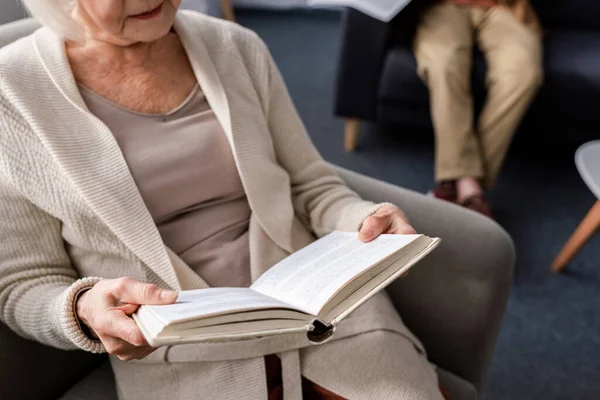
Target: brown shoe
479,203
444,191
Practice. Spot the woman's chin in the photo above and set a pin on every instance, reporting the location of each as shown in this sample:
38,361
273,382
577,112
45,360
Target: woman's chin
150,35
150,30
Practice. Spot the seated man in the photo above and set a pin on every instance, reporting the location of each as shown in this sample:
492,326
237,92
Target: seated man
468,160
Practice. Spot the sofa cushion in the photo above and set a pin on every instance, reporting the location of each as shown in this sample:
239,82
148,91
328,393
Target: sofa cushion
404,98
399,80
569,14
572,76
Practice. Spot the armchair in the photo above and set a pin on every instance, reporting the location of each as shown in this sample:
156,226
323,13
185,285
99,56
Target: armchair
453,304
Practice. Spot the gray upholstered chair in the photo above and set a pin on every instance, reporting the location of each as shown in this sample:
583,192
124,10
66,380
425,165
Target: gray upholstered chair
454,300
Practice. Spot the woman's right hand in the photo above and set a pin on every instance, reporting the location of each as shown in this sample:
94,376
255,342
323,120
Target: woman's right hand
106,310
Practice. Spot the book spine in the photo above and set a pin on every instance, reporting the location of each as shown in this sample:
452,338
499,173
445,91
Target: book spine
320,332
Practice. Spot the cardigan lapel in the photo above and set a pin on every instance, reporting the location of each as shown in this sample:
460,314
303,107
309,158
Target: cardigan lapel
91,158
265,182
89,155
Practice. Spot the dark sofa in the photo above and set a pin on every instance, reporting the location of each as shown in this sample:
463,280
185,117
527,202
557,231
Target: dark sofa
377,79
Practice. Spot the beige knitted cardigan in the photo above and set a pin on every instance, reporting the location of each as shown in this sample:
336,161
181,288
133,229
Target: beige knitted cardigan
71,213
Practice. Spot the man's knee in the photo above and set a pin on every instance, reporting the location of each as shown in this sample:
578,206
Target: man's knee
523,72
444,62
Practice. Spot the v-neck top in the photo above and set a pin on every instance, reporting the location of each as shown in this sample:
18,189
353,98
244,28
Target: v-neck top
185,171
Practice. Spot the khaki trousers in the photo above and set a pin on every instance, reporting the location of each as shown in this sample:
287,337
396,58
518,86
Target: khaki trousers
444,49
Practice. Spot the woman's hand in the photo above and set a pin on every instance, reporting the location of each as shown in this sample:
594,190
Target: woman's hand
388,219
106,308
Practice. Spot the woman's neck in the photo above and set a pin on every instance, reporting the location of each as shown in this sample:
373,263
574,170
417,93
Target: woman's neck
146,77
136,55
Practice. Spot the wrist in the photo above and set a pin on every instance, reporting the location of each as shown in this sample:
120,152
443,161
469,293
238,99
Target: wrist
81,313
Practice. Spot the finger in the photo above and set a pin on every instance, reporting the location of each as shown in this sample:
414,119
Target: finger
374,226
116,346
402,228
400,224
145,354
123,327
136,353
134,292
129,309
125,351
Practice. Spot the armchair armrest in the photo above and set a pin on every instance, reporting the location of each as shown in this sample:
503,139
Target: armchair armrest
455,300
363,49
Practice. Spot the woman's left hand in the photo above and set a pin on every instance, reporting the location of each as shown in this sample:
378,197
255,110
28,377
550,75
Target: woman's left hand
388,219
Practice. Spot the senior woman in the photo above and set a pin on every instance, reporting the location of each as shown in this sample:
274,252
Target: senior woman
145,151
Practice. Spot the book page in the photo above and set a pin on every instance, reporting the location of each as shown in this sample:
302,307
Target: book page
237,328
383,10
245,316
388,272
202,303
309,278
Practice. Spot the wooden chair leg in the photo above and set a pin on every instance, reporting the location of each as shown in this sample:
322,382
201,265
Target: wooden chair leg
585,230
228,12
352,134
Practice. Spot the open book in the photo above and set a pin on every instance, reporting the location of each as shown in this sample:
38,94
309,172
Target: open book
383,10
310,291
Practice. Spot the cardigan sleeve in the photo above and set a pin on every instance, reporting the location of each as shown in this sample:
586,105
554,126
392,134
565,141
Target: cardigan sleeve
320,197
38,284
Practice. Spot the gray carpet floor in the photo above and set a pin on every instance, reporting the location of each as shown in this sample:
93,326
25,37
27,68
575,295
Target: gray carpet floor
549,347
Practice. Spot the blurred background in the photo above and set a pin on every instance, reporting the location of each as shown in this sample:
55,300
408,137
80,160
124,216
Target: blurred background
549,346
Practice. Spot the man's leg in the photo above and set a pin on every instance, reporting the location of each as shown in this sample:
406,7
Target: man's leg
444,50
514,58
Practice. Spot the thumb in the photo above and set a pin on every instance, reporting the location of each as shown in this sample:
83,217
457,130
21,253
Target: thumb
372,227
125,328
145,293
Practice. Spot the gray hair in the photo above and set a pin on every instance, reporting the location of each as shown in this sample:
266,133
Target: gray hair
57,15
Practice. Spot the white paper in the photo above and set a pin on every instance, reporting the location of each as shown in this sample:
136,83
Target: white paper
200,303
283,273
383,10
310,277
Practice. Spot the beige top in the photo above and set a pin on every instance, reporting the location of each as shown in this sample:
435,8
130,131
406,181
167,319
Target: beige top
73,215
184,169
